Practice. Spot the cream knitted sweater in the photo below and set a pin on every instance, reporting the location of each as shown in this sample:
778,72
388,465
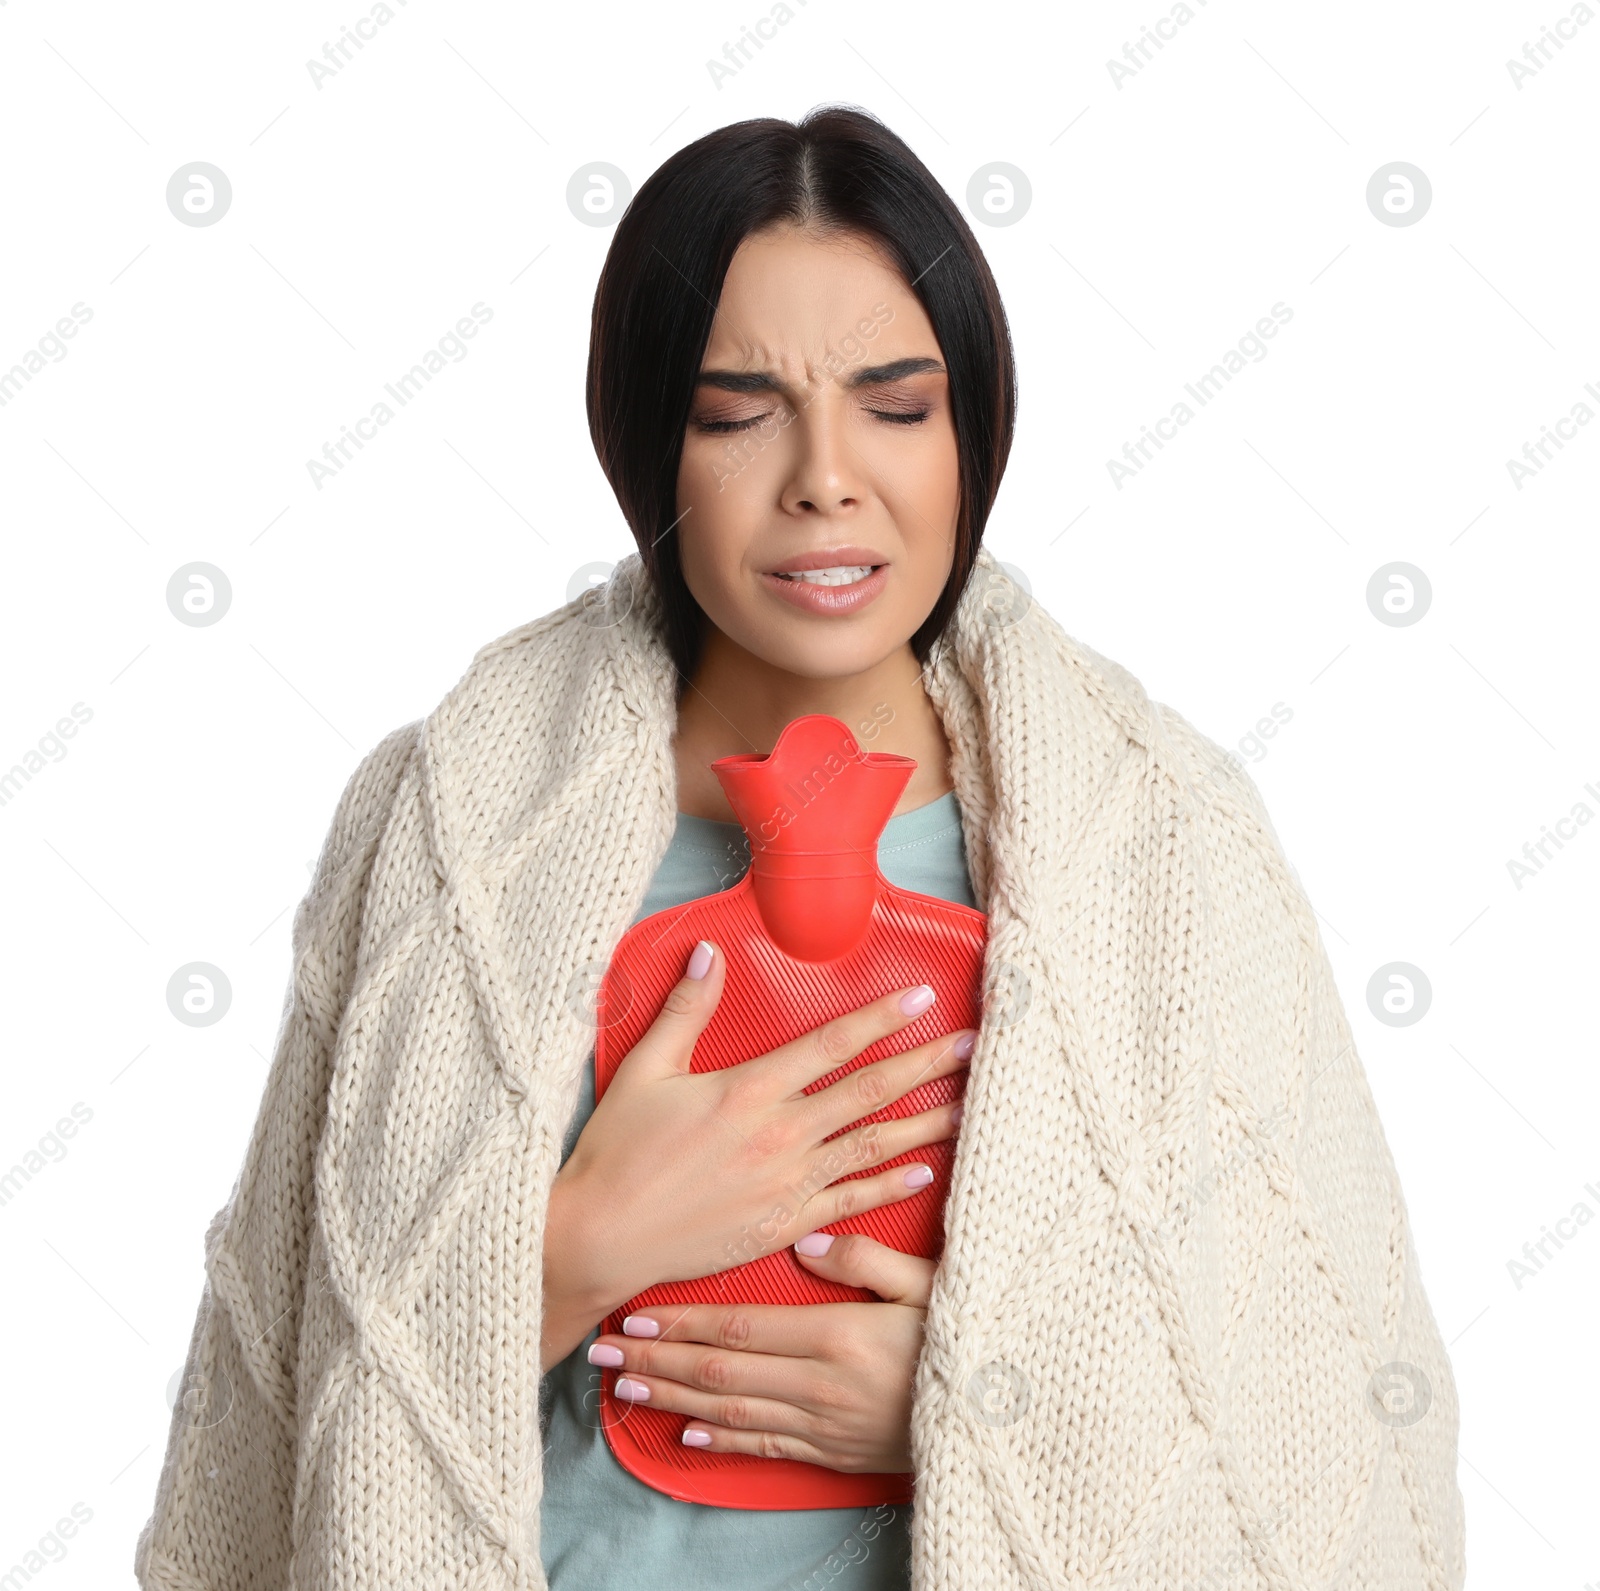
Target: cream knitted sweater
1178,1338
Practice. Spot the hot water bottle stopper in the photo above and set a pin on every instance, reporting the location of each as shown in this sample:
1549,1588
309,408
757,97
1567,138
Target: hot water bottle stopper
811,931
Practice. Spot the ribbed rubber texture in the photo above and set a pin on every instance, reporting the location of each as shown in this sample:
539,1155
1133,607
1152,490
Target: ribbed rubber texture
769,998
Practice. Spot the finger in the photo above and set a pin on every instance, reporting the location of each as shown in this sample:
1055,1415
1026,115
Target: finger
826,1048
720,1371
733,1412
861,1261
764,1444
856,1195
667,1045
872,1088
800,1331
875,1142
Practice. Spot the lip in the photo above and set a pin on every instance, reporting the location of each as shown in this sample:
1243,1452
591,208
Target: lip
828,599
828,558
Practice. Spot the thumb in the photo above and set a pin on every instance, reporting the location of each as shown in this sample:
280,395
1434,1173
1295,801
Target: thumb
861,1261
666,1046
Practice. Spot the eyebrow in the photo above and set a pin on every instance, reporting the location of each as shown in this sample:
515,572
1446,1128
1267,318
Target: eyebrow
867,376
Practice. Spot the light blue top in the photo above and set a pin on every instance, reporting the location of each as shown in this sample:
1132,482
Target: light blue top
602,1529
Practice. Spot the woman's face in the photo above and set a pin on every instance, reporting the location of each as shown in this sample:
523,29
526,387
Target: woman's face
819,437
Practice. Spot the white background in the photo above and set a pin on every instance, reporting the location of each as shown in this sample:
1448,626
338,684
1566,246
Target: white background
1168,215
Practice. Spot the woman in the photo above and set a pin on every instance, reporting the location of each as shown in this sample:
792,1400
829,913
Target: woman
1177,1335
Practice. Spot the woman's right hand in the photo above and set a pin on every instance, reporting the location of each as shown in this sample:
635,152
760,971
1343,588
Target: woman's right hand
678,1174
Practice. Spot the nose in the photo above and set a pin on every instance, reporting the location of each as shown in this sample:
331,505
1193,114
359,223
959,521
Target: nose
827,476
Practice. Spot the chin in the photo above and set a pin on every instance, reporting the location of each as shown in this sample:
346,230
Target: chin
825,654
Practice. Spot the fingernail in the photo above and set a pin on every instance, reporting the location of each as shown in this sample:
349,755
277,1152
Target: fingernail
602,1353
814,1244
640,1326
633,1391
915,1001
963,1045
957,1114
699,961
918,1176
696,1439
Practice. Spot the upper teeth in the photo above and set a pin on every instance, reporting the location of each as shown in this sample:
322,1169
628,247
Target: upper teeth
843,575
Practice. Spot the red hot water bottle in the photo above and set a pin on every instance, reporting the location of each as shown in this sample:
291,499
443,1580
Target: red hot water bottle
811,931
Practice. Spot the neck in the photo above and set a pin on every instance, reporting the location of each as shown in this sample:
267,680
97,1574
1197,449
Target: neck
737,702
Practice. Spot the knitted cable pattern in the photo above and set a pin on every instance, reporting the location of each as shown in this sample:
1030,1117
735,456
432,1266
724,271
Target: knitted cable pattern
1179,1313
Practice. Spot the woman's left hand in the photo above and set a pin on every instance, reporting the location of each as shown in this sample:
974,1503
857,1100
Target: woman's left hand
827,1383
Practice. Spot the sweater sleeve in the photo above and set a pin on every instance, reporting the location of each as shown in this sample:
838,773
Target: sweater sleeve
1412,1392
224,1499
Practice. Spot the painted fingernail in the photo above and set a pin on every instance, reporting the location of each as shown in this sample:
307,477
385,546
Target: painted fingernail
697,1439
918,1176
633,1391
699,961
640,1326
962,1047
915,1001
957,1114
814,1244
602,1353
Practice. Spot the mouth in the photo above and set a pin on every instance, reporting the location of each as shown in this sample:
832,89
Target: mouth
830,581
834,575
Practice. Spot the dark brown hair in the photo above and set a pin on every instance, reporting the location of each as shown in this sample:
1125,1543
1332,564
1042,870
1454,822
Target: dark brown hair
839,169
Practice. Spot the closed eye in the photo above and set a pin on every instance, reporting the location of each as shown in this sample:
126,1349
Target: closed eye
716,427
889,416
